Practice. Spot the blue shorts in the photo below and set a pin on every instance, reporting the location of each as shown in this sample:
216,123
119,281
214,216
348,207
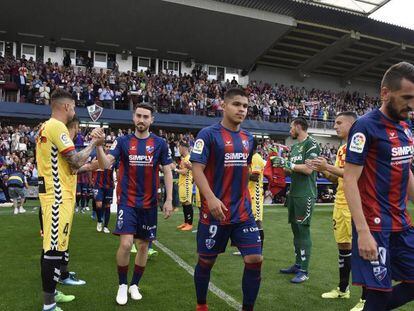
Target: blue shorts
141,222
103,195
212,239
82,189
395,260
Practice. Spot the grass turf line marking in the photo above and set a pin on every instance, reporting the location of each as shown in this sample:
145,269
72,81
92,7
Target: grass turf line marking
213,288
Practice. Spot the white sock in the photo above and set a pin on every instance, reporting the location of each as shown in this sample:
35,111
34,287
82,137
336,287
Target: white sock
49,307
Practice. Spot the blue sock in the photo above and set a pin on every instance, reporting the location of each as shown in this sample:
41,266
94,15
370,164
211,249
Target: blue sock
150,244
107,216
138,272
99,214
401,294
123,274
377,300
202,278
251,284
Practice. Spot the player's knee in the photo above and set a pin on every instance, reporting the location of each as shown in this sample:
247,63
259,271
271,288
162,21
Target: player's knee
344,246
253,259
207,262
126,244
98,204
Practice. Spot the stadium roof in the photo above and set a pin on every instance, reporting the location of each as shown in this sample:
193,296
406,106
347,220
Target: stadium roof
365,7
302,35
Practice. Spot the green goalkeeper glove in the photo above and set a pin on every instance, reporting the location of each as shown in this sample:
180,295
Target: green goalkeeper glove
281,162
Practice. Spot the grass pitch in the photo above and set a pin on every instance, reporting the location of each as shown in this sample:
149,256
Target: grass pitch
165,285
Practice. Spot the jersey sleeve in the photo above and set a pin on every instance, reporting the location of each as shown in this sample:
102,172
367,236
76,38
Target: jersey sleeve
201,149
313,150
59,135
359,141
165,158
115,149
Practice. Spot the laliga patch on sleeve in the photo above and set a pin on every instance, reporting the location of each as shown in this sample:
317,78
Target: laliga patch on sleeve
357,143
198,146
65,139
114,145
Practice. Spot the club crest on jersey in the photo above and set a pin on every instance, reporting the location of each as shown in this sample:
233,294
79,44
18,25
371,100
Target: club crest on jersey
119,223
392,135
228,142
210,243
357,142
245,144
198,146
133,148
380,272
150,149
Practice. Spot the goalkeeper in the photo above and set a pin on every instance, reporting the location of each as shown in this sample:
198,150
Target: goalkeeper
302,195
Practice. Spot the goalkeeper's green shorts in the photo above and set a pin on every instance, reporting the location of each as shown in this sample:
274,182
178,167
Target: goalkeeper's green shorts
300,209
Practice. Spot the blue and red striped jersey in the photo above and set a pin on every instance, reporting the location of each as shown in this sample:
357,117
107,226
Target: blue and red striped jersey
104,178
83,178
227,156
385,149
138,172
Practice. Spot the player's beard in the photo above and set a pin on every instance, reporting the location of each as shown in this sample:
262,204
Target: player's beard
141,128
394,113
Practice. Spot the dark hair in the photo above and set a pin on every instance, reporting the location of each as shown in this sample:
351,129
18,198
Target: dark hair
302,122
145,106
236,91
393,76
72,122
348,114
60,94
184,143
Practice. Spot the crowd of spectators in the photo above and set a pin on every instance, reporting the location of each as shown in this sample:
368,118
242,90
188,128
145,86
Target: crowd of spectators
28,80
17,148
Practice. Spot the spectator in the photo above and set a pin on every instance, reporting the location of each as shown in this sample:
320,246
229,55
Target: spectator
16,183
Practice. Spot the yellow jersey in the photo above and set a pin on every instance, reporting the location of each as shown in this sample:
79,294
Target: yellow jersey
56,180
340,162
187,178
257,167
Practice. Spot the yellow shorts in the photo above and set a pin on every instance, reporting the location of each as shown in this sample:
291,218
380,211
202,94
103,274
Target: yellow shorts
257,207
185,193
197,198
342,224
57,224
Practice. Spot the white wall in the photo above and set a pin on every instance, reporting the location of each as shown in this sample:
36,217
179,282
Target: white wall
289,77
124,65
56,57
185,69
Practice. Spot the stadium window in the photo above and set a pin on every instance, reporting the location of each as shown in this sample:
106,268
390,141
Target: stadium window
29,50
134,63
100,59
82,58
212,71
72,54
170,65
144,62
220,73
2,48
111,61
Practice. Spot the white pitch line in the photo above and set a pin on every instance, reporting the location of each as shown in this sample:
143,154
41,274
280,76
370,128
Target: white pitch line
213,288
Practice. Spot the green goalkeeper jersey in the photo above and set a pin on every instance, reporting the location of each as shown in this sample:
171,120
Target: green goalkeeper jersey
304,185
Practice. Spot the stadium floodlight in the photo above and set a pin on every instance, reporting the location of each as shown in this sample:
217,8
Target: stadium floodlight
177,53
72,40
33,35
146,49
107,44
